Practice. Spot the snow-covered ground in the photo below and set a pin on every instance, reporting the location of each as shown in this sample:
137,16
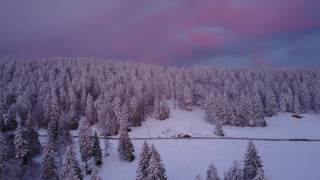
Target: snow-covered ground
193,123
185,158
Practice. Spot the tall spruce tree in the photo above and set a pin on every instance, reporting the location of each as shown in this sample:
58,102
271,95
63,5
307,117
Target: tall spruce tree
71,169
156,170
22,147
125,147
252,162
49,169
96,150
142,171
85,144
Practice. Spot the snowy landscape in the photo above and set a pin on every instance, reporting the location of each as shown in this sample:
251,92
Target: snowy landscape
160,90
98,119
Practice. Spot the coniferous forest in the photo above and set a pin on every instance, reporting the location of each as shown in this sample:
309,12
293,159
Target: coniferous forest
60,95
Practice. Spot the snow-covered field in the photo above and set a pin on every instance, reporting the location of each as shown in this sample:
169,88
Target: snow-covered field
185,158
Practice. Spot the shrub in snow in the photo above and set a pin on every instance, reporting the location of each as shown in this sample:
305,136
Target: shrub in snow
125,147
212,173
218,129
252,162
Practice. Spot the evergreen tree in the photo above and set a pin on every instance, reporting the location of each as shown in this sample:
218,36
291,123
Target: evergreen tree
135,115
252,162
32,137
89,111
125,147
96,150
212,173
21,145
71,170
156,169
142,171
260,175
3,152
124,117
218,129
187,98
85,144
270,107
53,128
49,169
234,173
296,104
164,110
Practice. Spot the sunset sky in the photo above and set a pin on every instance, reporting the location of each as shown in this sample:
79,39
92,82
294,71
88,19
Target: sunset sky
166,32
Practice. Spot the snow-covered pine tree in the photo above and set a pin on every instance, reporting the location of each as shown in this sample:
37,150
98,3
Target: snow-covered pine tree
285,98
156,170
49,169
187,98
212,173
3,151
252,162
32,136
89,111
124,118
270,105
96,150
296,104
234,172
71,169
260,175
125,146
164,110
21,145
85,144
112,126
135,115
53,128
142,171
218,129
156,107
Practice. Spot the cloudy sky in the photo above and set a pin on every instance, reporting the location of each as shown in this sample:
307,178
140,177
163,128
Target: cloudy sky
168,32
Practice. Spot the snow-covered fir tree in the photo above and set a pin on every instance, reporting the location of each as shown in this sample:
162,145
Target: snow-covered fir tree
142,171
49,170
71,168
252,162
3,152
212,173
125,146
90,113
85,144
32,137
187,98
156,168
124,118
22,148
164,110
260,175
234,173
96,150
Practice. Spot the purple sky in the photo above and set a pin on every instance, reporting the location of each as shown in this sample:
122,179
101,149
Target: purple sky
169,32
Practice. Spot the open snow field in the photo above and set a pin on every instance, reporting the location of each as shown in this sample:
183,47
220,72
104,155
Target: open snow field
185,158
